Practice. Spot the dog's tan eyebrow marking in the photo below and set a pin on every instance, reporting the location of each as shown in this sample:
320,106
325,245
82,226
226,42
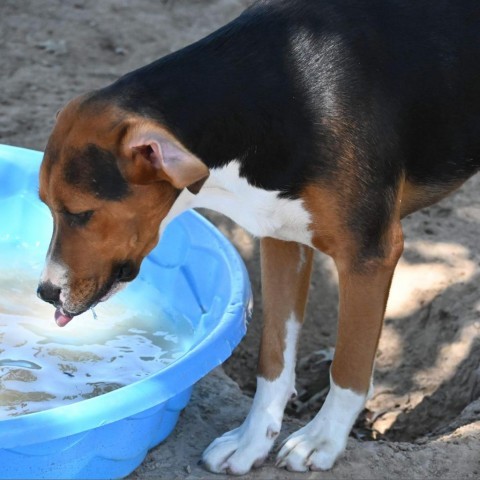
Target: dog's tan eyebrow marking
95,170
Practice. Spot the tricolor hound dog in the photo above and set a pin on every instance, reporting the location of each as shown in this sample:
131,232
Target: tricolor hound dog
314,124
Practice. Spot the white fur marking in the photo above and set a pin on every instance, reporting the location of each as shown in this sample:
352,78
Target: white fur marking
238,450
319,443
261,212
57,275
303,259
54,272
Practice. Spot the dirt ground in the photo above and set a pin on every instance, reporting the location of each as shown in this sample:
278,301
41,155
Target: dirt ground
423,420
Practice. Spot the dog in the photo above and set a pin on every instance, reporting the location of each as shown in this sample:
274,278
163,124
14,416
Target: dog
315,125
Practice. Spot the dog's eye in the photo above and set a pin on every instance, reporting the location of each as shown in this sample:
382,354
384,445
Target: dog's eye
78,219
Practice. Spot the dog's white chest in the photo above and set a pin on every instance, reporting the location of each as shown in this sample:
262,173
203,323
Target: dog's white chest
263,213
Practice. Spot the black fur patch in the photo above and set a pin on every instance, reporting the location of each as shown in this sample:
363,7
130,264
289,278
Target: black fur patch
348,93
95,170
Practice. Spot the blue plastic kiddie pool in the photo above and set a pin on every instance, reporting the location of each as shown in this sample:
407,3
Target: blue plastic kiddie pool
108,436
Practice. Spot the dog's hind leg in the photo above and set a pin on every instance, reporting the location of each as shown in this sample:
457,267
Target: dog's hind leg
365,266
286,268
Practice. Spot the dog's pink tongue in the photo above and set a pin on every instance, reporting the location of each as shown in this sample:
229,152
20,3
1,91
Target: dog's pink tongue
61,319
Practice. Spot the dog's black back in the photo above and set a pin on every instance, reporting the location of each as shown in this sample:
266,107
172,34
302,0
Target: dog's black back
304,89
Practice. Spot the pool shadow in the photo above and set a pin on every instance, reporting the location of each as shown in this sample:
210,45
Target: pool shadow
436,374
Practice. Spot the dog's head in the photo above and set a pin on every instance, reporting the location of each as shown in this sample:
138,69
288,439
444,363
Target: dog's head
109,179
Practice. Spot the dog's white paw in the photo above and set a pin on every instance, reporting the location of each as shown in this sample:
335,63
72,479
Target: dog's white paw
237,451
318,444
307,449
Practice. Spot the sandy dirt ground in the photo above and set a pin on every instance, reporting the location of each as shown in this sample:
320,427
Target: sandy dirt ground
423,420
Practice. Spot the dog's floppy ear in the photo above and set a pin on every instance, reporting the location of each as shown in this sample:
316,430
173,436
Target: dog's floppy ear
152,154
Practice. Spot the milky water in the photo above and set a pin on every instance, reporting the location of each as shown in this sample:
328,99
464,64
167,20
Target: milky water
43,366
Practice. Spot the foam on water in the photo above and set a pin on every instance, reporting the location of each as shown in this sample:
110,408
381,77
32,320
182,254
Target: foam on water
43,366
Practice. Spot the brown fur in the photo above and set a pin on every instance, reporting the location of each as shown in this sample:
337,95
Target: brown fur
285,283
415,197
363,287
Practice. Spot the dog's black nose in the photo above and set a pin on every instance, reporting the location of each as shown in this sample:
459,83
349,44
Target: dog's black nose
48,292
127,271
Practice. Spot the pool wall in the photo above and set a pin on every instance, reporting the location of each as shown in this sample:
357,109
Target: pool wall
205,279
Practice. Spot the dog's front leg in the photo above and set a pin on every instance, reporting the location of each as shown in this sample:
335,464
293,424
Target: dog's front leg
363,288
286,268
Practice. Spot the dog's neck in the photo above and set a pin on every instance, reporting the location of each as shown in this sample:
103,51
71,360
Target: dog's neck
225,98
198,96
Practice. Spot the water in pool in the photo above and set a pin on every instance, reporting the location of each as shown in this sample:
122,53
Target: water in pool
43,366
